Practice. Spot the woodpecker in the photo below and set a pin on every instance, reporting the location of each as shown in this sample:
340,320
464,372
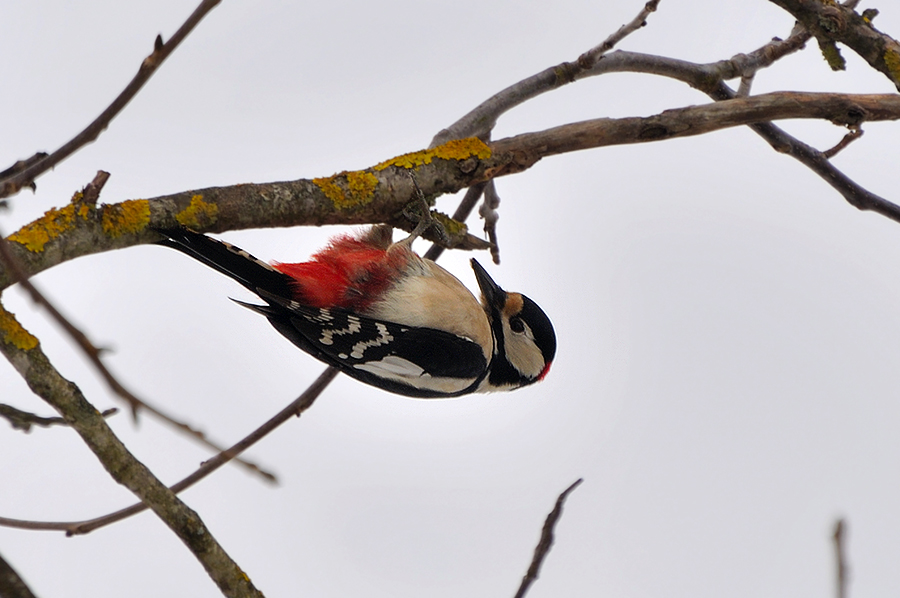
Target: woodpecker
386,316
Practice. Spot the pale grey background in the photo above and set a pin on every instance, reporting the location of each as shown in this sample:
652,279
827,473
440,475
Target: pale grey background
726,382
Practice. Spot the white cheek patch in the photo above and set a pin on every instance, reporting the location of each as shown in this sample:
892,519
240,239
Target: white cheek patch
522,352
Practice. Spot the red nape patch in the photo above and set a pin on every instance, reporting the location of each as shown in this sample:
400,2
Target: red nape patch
348,273
544,371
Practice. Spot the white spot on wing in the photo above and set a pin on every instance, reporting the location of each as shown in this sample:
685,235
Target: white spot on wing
353,326
384,337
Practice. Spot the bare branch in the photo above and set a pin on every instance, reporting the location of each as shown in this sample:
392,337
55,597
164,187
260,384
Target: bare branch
480,121
11,585
546,542
25,354
23,420
39,164
301,404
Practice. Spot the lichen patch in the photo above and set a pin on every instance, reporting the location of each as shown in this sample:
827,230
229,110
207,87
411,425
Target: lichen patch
53,223
348,189
128,217
199,214
12,333
456,149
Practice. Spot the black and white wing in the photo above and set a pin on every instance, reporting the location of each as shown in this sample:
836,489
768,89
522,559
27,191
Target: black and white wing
416,362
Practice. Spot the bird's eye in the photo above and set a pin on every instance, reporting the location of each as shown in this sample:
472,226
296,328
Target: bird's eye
517,325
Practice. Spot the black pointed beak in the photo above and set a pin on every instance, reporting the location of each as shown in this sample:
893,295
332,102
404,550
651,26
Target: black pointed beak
493,295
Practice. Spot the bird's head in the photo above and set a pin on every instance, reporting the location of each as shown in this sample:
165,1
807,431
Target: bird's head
524,341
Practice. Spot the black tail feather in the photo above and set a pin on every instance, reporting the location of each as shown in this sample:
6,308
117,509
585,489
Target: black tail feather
234,262
265,310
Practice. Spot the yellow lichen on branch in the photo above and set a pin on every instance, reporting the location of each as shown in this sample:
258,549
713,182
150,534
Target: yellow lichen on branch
53,223
357,188
348,189
199,214
130,216
12,333
362,184
456,149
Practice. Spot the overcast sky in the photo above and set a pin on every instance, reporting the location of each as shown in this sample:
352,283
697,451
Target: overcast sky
727,375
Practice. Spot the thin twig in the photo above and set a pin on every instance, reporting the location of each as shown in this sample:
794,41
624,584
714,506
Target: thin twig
546,541
301,404
744,88
10,186
488,212
854,134
840,559
23,420
480,121
589,58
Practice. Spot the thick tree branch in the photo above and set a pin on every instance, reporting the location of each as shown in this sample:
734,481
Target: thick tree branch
850,110
80,229
830,22
25,354
25,172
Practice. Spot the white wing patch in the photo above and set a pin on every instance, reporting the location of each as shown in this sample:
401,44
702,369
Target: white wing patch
396,367
404,371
